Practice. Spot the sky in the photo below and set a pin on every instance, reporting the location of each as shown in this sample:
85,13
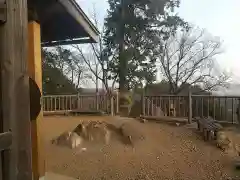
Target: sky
216,16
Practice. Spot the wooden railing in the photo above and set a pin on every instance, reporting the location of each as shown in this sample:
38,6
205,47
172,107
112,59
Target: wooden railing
59,102
222,108
64,103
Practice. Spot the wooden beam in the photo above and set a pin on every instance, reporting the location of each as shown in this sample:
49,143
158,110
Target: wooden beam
66,42
35,72
15,114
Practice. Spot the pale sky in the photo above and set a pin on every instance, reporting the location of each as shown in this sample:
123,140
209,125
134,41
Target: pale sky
216,16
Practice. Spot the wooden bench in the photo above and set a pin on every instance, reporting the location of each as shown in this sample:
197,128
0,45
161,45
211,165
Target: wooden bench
208,127
86,112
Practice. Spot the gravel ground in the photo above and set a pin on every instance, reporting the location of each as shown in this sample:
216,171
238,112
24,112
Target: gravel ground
167,152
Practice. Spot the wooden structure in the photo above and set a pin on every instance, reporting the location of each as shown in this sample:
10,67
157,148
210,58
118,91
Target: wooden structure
208,127
25,25
79,104
62,22
224,109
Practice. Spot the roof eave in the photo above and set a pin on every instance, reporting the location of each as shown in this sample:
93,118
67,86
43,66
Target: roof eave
77,13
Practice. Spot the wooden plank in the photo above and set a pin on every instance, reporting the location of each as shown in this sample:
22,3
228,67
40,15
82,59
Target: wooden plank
2,21
1,105
165,119
15,91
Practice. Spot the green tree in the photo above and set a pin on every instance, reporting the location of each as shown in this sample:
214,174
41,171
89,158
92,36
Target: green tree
62,74
55,82
133,30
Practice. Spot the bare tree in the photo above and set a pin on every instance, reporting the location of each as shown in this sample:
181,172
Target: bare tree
189,58
95,60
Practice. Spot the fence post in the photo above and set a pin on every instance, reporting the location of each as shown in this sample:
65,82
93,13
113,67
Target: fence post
78,101
189,106
117,110
238,112
97,101
112,105
143,103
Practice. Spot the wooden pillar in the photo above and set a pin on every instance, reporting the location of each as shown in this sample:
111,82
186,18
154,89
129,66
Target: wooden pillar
35,72
14,90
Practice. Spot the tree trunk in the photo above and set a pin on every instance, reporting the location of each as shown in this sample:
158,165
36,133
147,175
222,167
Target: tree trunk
122,63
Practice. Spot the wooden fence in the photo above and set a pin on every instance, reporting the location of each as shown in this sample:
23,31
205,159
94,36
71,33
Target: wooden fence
81,103
221,108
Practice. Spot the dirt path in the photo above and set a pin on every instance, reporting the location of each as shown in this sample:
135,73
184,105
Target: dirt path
167,152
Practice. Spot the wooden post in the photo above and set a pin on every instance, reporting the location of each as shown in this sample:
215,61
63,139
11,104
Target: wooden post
189,106
112,106
238,112
15,100
226,109
232,110
35,72
78,101
214,111
97,100
143,103
117,110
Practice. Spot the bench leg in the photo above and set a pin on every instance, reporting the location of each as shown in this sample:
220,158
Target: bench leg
215,135
210,135
198,125
201,129
205,134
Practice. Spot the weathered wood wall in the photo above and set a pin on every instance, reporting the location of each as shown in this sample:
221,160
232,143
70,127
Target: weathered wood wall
14,102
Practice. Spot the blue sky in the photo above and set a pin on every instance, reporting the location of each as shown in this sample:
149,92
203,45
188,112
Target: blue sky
216,16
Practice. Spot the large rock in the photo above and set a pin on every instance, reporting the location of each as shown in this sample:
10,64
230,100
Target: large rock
68,139
94,131
129,134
